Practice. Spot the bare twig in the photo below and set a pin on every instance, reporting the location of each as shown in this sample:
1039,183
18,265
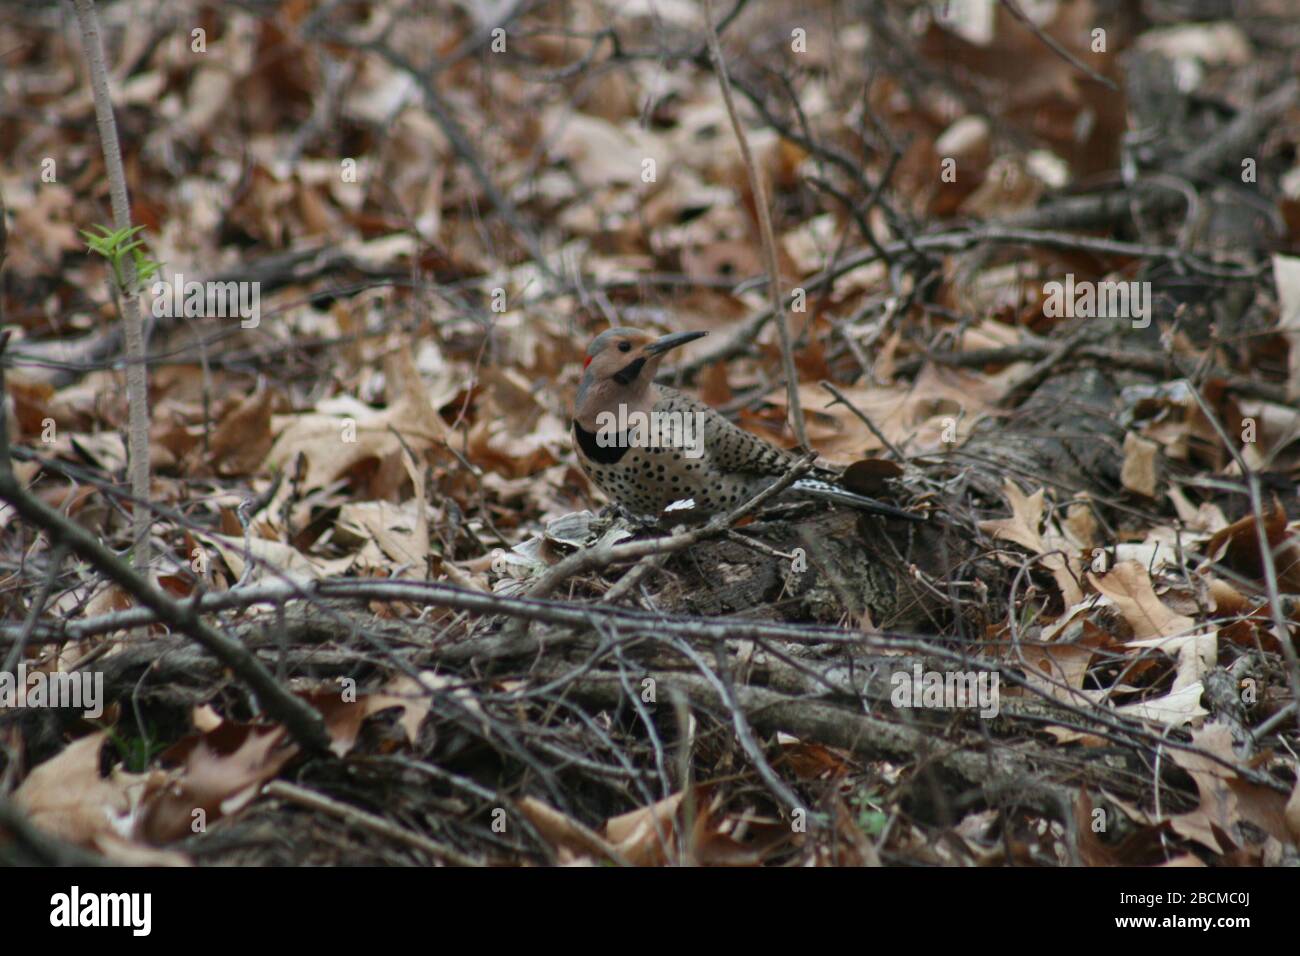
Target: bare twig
1014,9
764,213
300,718
725,689
354,816
862,417
1034,376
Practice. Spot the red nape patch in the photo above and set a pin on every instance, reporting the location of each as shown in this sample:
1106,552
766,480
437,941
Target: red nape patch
587,360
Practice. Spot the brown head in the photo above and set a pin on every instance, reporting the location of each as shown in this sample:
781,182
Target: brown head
620,369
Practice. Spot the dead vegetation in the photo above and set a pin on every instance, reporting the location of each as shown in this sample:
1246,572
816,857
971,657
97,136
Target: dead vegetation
385,619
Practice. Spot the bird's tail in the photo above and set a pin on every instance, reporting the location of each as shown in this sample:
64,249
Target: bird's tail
824,490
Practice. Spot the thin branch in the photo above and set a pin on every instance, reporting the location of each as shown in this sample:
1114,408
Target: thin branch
1013,8
862,417
764,213
303,722
354,816
725,688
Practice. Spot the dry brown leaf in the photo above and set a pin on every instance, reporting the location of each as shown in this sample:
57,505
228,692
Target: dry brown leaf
1237,547
813,761
1026,517
1023,529
1292,813
219,773
347,432
645,835
396,529
1129,586
243,437
343,717
1092,850
1226,799
600,153
274,559
1081,525
564,832
1286,273
415,699
1139,473
853,847
1195,654
836,432
1051,665
1205,517
1172,710
67,798
45,224
205,719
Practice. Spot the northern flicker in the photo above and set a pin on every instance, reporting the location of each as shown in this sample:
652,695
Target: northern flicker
653,449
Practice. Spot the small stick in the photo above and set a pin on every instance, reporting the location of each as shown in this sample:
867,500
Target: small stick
366,821
1013,8
862,416
765,230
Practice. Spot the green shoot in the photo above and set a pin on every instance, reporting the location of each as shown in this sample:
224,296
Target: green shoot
115,246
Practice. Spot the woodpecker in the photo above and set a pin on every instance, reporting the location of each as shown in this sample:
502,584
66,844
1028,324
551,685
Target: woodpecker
654,450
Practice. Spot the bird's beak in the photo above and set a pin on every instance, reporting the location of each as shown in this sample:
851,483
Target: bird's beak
663,344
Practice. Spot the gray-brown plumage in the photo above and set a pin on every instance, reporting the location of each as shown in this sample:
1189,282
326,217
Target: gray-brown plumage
653,449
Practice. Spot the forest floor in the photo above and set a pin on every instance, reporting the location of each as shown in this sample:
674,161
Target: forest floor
1040,274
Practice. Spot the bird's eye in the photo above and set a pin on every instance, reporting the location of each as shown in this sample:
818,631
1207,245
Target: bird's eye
625,346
